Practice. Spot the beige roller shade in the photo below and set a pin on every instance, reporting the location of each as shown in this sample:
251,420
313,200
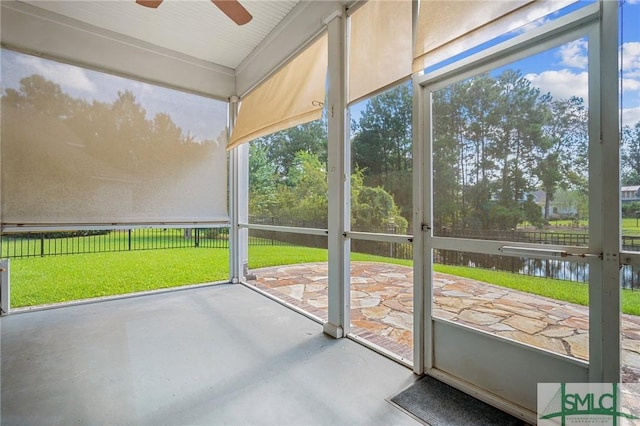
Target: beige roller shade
70,161
447,28
380,46
292,96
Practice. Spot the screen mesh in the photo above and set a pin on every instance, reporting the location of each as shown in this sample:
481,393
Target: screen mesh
86,148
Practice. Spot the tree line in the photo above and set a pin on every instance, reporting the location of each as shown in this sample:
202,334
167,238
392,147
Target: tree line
504,153
66,157
497,140
117,133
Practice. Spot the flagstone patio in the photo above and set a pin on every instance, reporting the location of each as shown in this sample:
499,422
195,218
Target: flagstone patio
382,309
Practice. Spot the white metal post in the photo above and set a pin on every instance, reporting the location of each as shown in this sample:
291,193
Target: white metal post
338,182
422,340
604,218
421,267
5,287
239,203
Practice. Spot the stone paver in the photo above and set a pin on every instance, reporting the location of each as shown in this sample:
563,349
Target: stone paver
382,307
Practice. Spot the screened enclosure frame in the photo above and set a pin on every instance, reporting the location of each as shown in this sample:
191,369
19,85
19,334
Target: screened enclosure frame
601,19
599,23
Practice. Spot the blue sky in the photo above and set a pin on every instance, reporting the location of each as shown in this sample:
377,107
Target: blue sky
563,71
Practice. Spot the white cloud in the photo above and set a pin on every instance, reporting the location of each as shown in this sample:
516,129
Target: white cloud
630,53
574,54
630,116
68,77
630,85
561,84
537,16
529,24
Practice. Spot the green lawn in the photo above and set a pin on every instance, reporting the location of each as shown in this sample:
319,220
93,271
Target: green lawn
263,256
54,279
556,289
569,223
43,280
37,281
630,226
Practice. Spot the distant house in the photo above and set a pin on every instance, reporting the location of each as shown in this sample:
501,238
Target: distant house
540,197
630,193
560,207
565,207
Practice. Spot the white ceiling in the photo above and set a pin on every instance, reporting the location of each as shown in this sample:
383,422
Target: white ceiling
196,28
184,44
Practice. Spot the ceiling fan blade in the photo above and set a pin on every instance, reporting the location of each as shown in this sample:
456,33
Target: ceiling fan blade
149,3
234,10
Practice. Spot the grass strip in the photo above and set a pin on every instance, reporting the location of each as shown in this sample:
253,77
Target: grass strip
37,281
555,289
45,280
567,291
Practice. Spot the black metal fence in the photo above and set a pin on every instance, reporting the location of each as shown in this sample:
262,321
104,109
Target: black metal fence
558,269
37,244
630,243
378,248
544,268
538,237
40,244
580,239
293,222
549,268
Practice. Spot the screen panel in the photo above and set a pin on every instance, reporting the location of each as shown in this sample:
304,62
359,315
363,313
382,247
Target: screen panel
81,147
510,163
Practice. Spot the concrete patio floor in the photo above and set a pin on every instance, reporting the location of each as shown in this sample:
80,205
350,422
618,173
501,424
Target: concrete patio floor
382,309
210,355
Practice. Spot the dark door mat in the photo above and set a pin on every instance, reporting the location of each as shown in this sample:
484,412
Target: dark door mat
439,404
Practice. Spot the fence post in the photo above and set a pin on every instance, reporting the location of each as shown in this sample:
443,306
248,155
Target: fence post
129,239
42,245
392,229
197,238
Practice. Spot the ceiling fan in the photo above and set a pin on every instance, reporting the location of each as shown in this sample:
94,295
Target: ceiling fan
232,8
